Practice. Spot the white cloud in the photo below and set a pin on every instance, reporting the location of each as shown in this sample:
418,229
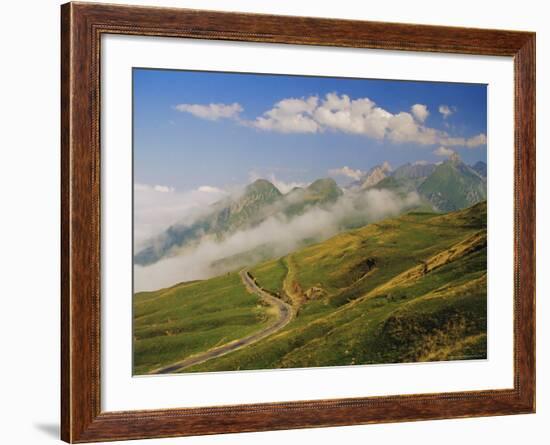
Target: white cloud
420,112
289,116
211,112
284,186
446,111
475,141
210,189
472,142
336,112
346,171
158,207
443,151
163,189
356,116
154,188
285,235
403,128
139,187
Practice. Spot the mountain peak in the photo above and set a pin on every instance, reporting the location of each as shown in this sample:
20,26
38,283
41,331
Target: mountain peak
376,174
322,183
455,157
416,170
453,185
262,186
324,189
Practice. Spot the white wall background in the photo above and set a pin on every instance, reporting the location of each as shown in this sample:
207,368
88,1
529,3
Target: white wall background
29,221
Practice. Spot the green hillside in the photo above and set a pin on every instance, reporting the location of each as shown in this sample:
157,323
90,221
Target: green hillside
453,185
412,288
191,317
271,275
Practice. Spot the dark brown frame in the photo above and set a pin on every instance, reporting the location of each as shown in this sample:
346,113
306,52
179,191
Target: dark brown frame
82,25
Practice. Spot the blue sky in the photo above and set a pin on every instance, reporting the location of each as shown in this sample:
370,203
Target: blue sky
195,129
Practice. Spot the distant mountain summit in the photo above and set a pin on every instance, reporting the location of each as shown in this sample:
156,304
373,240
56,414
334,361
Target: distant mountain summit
414,171
249,207
319,193
450,185
324,189
262,188
455,157
376,174
453,185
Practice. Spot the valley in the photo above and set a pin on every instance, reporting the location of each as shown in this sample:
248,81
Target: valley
403,289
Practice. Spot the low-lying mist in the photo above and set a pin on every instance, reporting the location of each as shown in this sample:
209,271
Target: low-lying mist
281,234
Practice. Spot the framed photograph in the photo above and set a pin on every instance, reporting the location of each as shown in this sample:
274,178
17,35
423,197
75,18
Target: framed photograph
274,222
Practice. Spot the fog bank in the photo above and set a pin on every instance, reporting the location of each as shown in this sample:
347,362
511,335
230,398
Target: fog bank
283,235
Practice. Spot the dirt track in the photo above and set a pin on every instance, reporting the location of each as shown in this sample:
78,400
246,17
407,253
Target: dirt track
284,312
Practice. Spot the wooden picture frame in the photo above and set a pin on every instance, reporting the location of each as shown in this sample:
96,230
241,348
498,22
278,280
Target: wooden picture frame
82,26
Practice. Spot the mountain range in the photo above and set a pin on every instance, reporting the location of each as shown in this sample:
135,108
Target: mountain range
447,186
260,200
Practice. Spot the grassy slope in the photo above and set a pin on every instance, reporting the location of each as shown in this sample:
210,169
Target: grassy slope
434,310
271,275
461,187
171,324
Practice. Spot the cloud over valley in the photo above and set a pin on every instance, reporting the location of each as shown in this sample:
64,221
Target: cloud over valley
279,234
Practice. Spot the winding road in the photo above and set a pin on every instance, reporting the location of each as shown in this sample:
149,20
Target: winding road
284,315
